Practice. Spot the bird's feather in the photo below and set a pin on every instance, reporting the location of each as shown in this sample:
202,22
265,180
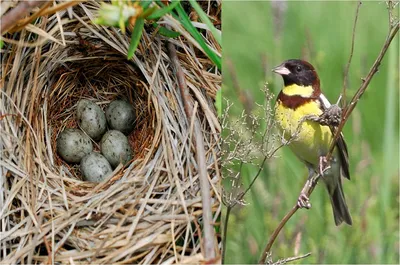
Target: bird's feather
340,144
310,140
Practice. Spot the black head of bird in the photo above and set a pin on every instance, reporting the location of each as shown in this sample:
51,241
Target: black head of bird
297,72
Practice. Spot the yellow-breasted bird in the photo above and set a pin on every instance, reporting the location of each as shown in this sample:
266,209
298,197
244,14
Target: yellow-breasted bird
301,96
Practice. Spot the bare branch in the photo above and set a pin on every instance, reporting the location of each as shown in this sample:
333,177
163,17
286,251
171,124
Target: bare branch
346,71
347,111
225,233
286,260
310,185
243,144
271,240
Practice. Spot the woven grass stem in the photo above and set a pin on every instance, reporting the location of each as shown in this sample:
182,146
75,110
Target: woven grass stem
209,234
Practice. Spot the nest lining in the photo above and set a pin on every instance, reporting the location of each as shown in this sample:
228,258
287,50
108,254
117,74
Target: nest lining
149,212
101,81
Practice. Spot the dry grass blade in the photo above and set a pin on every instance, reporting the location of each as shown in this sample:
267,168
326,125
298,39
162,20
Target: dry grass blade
21,10
147,212
190,109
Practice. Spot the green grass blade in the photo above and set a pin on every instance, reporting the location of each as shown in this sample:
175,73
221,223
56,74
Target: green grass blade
162,11
145,3
206,20
136,35
166,32
187,24
147,12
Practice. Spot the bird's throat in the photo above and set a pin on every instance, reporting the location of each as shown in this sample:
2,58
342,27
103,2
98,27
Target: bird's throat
296,90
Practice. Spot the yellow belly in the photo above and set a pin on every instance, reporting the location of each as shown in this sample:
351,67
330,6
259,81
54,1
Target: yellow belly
309,141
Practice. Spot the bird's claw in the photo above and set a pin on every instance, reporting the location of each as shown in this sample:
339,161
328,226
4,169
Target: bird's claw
323,165
303,201
332,116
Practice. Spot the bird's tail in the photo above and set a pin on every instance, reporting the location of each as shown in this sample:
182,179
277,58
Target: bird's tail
339,206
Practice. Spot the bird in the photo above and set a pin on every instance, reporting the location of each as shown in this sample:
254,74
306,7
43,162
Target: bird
309,140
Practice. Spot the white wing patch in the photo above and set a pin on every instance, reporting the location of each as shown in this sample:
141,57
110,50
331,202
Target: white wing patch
324,101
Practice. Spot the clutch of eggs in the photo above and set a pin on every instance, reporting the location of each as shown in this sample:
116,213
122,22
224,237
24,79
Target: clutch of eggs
75,145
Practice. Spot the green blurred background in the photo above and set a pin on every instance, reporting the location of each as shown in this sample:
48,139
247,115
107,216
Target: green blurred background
260,35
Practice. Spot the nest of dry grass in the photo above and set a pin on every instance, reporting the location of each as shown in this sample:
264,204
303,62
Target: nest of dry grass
147,212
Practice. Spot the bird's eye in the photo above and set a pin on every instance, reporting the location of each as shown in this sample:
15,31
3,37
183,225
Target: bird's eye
298,68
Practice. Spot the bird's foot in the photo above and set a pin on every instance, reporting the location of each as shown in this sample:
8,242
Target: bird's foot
303,201
332,116
323,165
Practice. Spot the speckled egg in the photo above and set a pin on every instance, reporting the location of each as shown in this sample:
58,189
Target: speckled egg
115,147
91,119
73,145
121,116
95,167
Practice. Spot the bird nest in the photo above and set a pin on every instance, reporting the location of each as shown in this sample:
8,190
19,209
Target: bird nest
149,211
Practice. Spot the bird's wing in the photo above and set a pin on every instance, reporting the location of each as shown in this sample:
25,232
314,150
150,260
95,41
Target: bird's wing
344,156
325,102
340,144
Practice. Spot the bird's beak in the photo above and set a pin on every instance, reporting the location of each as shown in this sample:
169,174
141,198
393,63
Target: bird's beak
282,70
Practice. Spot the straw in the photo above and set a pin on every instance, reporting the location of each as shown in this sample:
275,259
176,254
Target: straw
149,211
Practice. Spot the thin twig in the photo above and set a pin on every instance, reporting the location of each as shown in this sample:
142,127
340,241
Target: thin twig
347,111
308,188
238,197
276,233
45,10
225,235
346,71
235,202
254,179
17,13
286,260
209,233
